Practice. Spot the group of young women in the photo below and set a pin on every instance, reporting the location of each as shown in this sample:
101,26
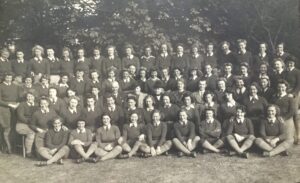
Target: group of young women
99,108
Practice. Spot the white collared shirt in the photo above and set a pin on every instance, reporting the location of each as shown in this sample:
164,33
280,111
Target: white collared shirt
133,125
80,131
107,127
73,111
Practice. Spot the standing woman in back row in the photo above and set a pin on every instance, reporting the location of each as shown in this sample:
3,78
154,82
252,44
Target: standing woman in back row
38,66
112,61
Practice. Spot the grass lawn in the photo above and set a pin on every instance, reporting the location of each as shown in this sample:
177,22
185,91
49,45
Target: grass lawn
205,168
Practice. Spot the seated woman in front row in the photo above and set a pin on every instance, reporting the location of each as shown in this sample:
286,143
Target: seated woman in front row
240,133
55,145
133,136
272,134
156,137
107,138
81,143
185,139
210,132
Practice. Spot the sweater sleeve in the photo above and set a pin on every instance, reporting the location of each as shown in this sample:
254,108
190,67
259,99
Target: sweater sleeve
98,138
20,114
124,132
178,133
64,140
262,129
2,103
163,134
230,128
48,140
89,138
71,137
216,132
149,135
250,127
202,130
282,132
33,122
192,131
117,132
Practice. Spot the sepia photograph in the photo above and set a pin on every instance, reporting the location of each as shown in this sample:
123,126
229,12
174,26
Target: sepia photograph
149,91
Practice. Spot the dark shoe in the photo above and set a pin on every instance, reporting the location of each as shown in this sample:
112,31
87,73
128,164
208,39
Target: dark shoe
60,162
245,155
41,163
29,155
205,151
194,154
232,153
80,160
266,154
223,151
123,156
180,154
147,155
96,160
285,153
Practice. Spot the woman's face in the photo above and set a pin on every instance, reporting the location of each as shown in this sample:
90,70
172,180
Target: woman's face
209,114
128,51
111,74
44,104
180,85
253,90
106,120
264,83
64,79
134,118
240,114
80,53
110,101
209,98
38,52
110,51
66,53
73,103
149,102
28,81
166,100
156,117
182,116
271,112
281,88
80,125
187,101
131,103
263,68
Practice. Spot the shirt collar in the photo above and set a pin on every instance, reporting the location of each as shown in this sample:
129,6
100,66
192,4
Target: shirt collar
107,127
133,125
45,111
183,123
72,110
81,131
7,84
81,59
130,57
92,108
57,130
156,124
240,120
271,120
210,121
20,61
